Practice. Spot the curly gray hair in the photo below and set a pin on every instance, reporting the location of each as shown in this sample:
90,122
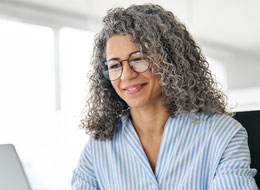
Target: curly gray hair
187,83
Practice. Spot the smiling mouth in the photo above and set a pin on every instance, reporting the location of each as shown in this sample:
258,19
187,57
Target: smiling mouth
134,89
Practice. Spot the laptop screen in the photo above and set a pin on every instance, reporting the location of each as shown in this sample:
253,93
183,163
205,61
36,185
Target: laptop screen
12,176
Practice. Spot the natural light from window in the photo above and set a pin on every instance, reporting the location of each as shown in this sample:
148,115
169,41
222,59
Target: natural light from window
47,140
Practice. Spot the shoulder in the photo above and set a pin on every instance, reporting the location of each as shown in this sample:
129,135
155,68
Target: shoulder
219,126
214,122
222,129
223,124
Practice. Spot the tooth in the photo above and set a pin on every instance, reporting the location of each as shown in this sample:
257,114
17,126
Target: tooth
131,88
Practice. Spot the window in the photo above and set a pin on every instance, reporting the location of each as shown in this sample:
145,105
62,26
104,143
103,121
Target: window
47,140
240,99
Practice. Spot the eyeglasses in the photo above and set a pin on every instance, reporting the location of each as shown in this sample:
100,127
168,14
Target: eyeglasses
137,62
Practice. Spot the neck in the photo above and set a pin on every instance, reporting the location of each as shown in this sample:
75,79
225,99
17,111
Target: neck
149,121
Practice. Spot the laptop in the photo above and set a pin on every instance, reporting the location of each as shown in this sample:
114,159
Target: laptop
12,176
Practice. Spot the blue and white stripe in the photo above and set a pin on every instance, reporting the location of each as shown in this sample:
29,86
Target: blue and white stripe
210,154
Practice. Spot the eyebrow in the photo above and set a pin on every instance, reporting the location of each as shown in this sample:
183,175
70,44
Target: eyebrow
116,58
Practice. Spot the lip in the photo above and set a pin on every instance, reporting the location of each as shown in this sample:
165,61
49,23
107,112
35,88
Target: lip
133,89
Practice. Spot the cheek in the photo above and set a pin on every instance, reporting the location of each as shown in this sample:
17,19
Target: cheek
154,78
157,85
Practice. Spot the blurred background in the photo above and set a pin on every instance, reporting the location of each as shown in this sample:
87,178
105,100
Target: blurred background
45,48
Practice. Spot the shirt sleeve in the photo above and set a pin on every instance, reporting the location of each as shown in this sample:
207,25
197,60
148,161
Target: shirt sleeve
84,176
233,171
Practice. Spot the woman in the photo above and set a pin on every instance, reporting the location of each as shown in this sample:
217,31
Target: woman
156,119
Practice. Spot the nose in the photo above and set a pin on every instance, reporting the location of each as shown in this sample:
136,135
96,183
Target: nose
127,72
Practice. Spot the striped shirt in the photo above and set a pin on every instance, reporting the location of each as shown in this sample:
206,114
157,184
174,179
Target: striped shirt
210,154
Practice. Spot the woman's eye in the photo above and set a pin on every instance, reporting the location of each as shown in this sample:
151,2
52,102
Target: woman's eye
114,66
137,59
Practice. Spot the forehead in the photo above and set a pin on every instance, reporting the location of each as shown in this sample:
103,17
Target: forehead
119,46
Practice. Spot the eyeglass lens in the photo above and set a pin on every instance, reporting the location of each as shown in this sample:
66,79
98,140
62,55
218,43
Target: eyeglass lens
136,61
